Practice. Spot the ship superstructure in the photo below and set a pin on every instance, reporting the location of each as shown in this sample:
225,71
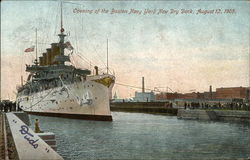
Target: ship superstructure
56,89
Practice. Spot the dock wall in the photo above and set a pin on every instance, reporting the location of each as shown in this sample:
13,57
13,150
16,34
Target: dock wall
221,115
144,107
23,143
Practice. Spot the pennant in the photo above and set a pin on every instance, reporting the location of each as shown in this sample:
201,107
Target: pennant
31,49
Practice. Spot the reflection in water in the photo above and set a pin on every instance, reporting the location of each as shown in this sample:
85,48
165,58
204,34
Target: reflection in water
145,136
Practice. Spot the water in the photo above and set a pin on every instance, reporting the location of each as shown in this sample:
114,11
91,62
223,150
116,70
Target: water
145,136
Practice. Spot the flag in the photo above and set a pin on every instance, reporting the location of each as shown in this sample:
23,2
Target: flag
31,49
69,46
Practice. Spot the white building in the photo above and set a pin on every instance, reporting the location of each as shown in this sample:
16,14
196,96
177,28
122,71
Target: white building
144,96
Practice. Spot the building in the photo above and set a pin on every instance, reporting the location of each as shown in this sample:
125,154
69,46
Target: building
192,95
233,93
209,95
144,97
169,96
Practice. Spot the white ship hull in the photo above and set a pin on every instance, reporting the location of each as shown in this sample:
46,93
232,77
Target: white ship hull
87,99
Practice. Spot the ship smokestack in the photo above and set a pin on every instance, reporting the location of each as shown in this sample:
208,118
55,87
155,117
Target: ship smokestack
210,91
143,88
96,70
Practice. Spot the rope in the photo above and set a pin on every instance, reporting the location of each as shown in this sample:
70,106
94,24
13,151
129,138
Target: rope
126,85
83,58
72,60
96,57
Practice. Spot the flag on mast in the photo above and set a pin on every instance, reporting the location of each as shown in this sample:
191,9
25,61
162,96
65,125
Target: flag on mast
30,49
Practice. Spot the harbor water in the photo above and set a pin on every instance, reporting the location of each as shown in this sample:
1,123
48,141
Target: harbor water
146,136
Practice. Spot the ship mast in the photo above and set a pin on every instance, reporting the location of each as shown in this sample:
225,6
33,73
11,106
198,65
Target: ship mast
107,56
62,58
61,19
36,63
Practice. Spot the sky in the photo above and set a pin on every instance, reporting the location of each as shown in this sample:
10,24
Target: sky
181,51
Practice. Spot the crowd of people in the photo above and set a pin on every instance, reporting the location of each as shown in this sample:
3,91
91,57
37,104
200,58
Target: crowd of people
8,106
228,106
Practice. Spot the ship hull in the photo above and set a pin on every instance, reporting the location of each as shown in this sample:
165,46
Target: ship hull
74,116
88,99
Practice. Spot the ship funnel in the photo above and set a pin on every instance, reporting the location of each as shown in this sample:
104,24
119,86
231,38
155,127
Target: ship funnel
143,88
49,56
41,61
96,70
55,51
45,59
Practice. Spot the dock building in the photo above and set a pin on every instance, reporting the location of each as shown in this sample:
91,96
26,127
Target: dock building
233,93
229,93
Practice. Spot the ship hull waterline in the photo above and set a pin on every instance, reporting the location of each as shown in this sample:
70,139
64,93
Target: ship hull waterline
73,116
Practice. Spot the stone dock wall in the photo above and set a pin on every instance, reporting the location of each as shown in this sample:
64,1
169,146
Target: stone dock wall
144,107
220,115
7,145
21,143
2,143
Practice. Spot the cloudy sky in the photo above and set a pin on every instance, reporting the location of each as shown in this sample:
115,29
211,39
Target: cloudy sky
180,51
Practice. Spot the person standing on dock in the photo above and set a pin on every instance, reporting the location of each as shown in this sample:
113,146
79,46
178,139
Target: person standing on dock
1,106
10,107
37,128
13,106
185,105
5,107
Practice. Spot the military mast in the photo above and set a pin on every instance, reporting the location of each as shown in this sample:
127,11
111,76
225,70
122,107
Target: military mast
62,58
107,56
36,62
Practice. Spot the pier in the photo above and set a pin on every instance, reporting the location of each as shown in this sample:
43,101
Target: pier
3,143
8,150
19,142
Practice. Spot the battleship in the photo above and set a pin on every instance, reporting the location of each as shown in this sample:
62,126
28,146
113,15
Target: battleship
54,88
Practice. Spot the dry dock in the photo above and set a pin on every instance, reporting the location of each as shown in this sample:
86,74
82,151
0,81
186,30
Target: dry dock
144,107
